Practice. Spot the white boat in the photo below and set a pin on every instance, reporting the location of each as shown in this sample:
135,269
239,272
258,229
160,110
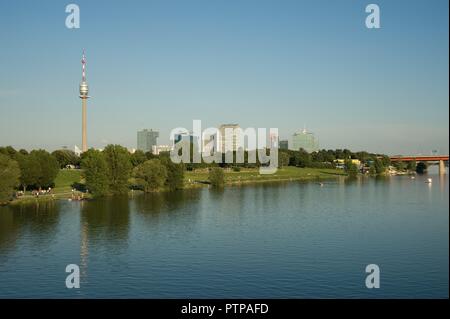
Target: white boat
429,181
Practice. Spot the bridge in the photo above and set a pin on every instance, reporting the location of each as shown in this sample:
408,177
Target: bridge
423,158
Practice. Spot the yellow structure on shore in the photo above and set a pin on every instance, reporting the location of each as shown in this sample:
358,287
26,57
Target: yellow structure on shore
357,162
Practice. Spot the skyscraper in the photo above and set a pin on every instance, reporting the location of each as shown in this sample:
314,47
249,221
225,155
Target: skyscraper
146,139
232,139
284,145
305,140
84,90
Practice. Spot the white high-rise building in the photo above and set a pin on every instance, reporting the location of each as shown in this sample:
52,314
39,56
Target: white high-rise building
230,135
305,140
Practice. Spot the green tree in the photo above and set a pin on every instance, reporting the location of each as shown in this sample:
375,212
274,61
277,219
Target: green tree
119,168
362,156
8,151
346,154
303,158
95,172
175,173
216,177
66,157
400,165
151,175
138,157
330,156
372,170
46,166
9,177
30,170
379,167
283,159
351,169
411,166
385,160
23,152
150,155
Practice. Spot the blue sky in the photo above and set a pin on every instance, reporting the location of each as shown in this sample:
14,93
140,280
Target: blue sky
286,64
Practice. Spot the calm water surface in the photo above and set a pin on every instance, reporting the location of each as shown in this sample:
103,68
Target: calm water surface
288,240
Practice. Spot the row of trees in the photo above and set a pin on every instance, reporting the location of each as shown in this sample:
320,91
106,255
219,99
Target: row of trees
407,166
109,171
38,169
301,158
9,177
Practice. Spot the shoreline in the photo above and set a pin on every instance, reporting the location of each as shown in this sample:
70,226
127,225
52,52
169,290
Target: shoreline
188,185
192,185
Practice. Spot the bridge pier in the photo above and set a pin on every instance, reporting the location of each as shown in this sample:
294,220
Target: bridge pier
441,167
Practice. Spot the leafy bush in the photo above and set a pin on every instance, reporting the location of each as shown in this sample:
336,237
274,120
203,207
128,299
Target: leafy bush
216,177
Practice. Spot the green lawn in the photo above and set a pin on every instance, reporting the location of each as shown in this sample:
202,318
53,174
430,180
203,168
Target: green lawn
65,179
252,175
63,187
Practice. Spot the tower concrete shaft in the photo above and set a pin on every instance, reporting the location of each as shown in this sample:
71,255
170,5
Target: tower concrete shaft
84,147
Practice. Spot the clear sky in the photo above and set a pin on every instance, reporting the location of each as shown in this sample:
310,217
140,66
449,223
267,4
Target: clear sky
286,64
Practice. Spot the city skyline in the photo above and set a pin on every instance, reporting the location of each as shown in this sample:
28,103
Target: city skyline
281,66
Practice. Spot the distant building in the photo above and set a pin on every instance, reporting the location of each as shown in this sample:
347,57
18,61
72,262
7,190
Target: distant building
233,139
305,140
284,145
340,163
77,151
157,149
357,162
146,139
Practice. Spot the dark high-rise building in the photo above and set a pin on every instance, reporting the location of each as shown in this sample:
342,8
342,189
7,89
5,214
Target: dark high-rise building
146,139
284,145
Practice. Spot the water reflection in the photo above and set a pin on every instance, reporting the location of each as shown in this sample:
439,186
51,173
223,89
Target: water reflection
35,220
104,225
442,183
106,220
172,207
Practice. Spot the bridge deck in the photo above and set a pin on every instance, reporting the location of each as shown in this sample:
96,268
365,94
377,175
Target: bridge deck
419,158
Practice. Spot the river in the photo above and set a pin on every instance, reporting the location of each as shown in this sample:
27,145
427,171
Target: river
282,240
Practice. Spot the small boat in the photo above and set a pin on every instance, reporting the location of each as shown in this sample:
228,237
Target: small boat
413,177
429,181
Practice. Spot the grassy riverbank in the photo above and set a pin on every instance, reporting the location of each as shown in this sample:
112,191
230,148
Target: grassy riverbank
63,188
67,178
252,175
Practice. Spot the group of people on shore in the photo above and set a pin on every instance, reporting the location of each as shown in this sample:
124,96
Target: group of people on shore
35,193
76,195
